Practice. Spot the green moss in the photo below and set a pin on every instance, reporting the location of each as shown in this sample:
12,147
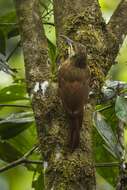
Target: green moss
69,171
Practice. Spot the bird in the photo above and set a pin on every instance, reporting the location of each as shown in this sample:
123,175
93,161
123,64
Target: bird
73,89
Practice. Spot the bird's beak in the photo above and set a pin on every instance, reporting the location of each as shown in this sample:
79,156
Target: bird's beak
70,43
71,51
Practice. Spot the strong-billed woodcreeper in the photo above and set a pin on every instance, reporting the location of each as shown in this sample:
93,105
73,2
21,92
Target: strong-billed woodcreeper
73,87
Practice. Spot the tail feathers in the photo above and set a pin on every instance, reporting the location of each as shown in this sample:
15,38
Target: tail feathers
75,132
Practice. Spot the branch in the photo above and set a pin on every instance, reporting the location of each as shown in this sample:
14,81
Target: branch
33,162
35,51
26,161
12,165
8,23
15,105
4,24
111,164
118,25
19,162
30,151
22,160
104,108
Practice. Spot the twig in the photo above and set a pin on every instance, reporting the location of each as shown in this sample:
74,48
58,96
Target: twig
33,162
19,162
22,160
14,105
104,108
30,151
105,164
49,23
12,165
8,23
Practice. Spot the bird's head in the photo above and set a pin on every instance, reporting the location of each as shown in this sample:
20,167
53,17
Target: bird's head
79,56
76,52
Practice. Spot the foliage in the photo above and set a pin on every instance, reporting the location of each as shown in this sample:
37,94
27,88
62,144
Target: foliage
106,120
17,126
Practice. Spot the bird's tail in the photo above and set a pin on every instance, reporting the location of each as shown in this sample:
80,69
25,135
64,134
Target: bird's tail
75,125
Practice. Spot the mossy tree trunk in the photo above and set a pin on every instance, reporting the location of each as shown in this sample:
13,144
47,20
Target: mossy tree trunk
82,21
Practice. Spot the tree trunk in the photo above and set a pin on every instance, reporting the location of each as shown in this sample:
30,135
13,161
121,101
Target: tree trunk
82,21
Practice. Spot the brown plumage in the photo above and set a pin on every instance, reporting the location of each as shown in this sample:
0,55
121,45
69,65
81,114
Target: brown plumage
73,81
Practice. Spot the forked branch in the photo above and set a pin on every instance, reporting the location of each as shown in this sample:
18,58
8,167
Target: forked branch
118,25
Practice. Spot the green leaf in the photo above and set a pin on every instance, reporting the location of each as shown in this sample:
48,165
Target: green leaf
102,183
2,42
107,135
13,92
16,147
8,22
52,55
24,141
6,6
45,4
15,124
13,32
52,50
8,152
101,155
121,108
38,184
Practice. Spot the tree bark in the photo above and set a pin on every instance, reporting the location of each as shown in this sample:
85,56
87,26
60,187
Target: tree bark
117,27
82,21
35,57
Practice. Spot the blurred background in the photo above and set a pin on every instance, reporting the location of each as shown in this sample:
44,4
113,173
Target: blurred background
21,178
